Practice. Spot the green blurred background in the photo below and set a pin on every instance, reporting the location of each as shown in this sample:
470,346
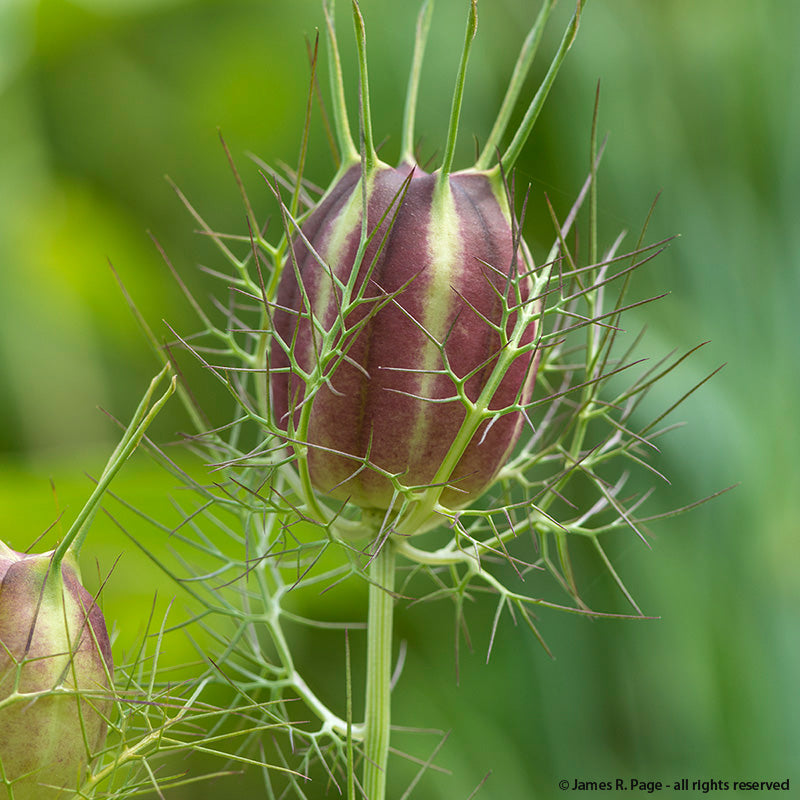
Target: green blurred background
100,98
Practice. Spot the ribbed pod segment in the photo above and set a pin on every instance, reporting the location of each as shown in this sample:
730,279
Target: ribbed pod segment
445,256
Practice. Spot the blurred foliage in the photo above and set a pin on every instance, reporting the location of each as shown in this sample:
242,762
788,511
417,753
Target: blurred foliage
100,98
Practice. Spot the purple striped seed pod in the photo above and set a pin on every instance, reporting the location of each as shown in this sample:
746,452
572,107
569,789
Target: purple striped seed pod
438,271
55,673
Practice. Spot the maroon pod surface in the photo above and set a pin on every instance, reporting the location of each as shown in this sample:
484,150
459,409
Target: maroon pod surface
447,258
55,672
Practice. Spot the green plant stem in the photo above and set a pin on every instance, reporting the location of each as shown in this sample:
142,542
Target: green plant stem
379,672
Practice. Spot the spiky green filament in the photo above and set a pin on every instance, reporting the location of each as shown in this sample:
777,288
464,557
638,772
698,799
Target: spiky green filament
347,150
368,154
526,56
301,159
458,95
514,149
142,418
593,176
410,110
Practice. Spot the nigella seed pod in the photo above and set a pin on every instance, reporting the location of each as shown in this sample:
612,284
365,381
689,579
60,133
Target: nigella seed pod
438,278
55,672
404,327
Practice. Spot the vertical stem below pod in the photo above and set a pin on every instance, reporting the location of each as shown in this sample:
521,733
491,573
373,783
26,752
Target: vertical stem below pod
379,672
